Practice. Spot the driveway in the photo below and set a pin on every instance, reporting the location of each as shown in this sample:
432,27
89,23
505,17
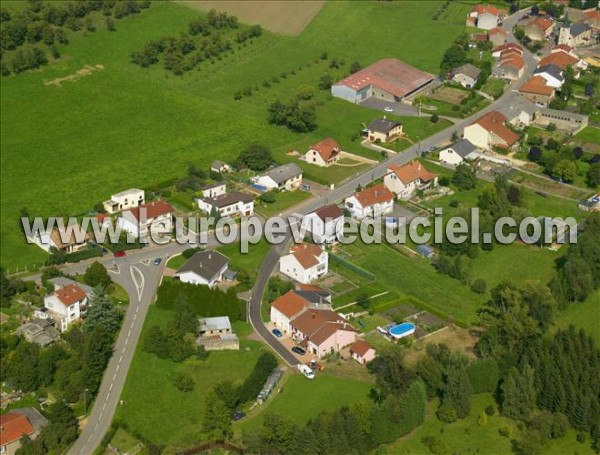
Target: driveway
399,108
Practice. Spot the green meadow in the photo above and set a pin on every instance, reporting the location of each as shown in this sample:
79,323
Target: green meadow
66,147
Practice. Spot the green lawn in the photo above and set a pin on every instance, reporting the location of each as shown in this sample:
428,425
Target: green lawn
176,261
156,409
248,262
126,126
283,201
493,87
589,134
584,315
302,399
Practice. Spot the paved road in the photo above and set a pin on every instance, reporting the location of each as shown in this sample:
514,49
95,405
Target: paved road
140,277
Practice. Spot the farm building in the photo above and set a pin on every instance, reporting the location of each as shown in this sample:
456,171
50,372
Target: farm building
215,334
563,120
389,79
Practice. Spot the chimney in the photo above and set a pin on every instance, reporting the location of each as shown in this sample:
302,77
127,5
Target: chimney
209,256
313,315
200,264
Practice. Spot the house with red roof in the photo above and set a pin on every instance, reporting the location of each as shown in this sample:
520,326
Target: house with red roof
323,153
486,17
537,91
404,181
141,221
295,302
324,224
304,263
362,352
563,57
490,131
66,305
16,424
389,79
539,28
373,201
497,51
497,36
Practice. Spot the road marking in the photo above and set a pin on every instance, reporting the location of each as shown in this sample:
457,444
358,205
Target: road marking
110,388
120,358
117,369
134,317
129,333
139,285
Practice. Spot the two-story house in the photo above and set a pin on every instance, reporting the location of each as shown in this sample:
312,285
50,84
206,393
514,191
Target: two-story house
325,224
374,201
305,263
124,200
140,220
324,153
490,131
405,180
66,305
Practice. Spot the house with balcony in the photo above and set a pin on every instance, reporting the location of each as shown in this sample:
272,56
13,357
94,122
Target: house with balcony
66,305
124,200
305,263
404,181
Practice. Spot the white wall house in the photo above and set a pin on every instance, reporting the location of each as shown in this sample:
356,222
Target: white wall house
285,308
405,180
324,153
326,224
65,305
203,268
374,201
286,177
214,190
231,204
139,220
552,74
305,263
458,153
124,200
490,131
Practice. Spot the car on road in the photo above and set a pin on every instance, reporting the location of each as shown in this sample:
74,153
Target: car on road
298,350
388,109
157,261
237,415
120,254
277,333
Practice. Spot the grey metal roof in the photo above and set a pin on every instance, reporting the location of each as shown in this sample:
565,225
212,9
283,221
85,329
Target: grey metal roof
552,70
216,323
383,125
225,200
217,164
285,172
62,281
314,296
468,70
463,147
578,29
557,113
205,264
518,105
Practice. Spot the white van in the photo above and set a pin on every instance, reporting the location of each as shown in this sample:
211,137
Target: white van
306,371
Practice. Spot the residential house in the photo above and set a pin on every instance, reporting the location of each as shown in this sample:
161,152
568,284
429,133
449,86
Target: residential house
490,131
230,204
220,167
39,331
17,424
563,58
466,75
510,66
362,352
124,200
139,221
539,28
591,204
215,334
214,189
405,180
485,16
66,305
373,202
537,91
324,153
575,35
292,303
286,177
563,120
552,73
325,224
519,113
458,153
497,36
497,51
204,267
389,79
384,130
592,18
305,262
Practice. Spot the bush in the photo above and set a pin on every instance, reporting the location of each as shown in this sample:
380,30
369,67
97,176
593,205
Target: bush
446,413
482,420
434,118
454,203
268,197
504,432
444,181
435,445
184,382
479,286
490,410
581,437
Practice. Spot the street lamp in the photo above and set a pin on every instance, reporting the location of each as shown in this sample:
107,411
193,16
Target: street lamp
419,146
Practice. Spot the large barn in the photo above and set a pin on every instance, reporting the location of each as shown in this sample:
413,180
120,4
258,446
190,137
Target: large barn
389,79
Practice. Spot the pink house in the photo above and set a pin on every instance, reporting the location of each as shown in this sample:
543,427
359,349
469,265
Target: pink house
362,352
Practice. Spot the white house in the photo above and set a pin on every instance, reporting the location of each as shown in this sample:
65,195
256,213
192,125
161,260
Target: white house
374,201
124,200
466,75
66,305
458,152
324,153
69,239
231,204
220,167
304,263
286,177
490,131
325,224
139,220
405,180
285,308
214,189
485,16
552,73
204,267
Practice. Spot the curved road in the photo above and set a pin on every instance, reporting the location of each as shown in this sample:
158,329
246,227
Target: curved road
140,277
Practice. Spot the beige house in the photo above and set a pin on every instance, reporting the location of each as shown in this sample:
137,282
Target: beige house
19,423
539,28
497,36
362,352
384,130
537,91
490,131
124,200
324,153
404,181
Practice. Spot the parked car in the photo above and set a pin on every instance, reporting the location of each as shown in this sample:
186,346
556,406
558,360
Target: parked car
157,261
120,254
306,371
298,350
277,333
388,109
306,187
237,415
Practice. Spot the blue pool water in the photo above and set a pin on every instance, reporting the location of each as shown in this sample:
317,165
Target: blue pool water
402,330
259,187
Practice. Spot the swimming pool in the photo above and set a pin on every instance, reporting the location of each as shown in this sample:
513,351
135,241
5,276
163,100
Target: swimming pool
402,330
258,187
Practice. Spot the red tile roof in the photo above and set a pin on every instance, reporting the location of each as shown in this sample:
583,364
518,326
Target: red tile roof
312,320
327,148
514,60
331,211
562,47
392,75
374,195
542,23
480,9
561,59
361,347
70,294
537,85
507,46
13,426
307,254
498,30
329,329
290,304
410,172
153,210
494,122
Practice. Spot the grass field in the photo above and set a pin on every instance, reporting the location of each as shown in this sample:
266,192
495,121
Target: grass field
302,399
65,148
585,315
148,387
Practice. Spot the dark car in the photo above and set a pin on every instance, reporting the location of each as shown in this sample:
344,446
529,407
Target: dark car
157,261
120,254
237,415
277,333
298,350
